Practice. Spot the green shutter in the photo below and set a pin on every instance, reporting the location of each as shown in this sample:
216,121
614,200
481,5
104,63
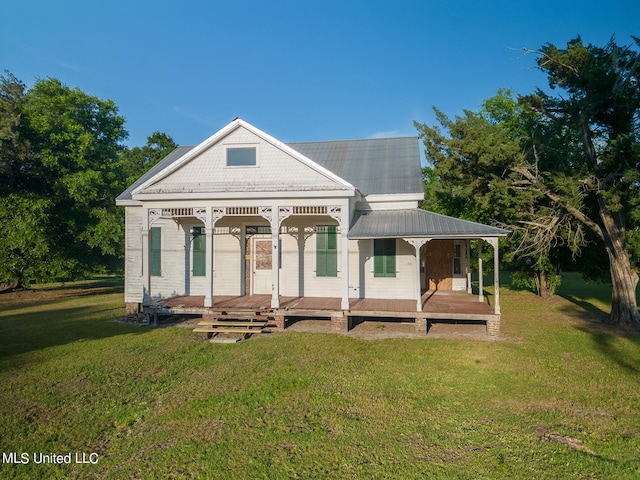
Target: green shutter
378,258
390,257
321,254
384,257
332,251
199,252
326,251
155,239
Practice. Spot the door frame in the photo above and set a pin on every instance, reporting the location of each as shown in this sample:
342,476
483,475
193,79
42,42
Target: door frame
250,259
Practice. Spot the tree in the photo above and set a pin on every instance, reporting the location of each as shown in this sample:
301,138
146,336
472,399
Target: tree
62,163
137,160
25,247
570,162
14,147
59,154
596,117
472,163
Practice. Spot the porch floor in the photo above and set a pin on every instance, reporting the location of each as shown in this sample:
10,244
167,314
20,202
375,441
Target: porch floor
435,305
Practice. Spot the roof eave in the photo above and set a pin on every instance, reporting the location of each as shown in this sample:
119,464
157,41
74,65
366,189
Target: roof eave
418,223
128,203
439,236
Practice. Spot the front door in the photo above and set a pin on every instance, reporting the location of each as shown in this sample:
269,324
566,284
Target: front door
261,266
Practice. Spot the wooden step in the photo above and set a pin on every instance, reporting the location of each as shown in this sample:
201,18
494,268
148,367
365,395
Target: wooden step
236,319
245,324
246,318
239,313
224,323
227,330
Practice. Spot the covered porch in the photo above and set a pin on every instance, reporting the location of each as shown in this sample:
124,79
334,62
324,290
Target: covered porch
436,306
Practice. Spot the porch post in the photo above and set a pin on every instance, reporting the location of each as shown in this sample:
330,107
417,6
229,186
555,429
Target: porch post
480,273
208,229
275,265
496,274
417,244
467,262
211,216
344,245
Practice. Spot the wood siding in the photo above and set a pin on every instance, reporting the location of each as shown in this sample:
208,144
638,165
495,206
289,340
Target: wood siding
299,259
298,276
275,170
363,283
133,255
172,279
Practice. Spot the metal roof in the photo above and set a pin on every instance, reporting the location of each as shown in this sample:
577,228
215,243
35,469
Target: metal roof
372,165
417,223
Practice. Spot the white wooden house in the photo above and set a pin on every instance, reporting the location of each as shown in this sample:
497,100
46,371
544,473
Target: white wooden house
245,215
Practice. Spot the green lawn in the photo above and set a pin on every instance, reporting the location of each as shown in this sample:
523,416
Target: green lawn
557,397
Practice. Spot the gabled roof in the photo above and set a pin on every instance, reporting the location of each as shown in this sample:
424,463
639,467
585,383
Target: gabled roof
373,165
417,223
171,167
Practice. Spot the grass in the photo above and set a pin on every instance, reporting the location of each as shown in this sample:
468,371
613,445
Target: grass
556,398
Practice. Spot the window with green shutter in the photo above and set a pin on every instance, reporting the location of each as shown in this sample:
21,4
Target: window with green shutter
384,257
155,248
326,251
199,252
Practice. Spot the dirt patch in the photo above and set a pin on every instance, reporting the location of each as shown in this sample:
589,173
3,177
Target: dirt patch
361,329
571,442
459,330
378,330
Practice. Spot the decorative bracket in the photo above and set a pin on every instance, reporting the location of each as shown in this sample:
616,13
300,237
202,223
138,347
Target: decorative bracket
201,214
417,242
303,233
216,214
266,212
335,212
493,241
284,213
154,215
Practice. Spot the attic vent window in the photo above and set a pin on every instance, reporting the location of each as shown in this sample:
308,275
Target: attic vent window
241,157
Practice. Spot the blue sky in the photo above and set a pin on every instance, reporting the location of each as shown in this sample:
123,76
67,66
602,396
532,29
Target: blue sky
299,70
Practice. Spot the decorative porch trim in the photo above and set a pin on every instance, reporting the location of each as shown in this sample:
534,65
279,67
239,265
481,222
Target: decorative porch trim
173,213
284,213
334,211
274,214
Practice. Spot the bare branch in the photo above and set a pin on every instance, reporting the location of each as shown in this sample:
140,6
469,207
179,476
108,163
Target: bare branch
535,180
549,59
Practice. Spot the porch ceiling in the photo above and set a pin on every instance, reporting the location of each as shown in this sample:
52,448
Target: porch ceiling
417,223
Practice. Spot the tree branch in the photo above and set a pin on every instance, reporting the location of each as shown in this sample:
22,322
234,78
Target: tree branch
549,59
574,212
